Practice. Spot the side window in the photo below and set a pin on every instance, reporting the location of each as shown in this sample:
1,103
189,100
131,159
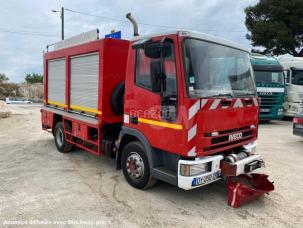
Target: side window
143,63
146,66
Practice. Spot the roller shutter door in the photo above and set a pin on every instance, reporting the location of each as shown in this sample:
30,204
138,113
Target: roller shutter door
56,82
84,83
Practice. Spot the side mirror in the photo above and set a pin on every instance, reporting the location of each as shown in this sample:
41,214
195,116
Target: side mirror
155,49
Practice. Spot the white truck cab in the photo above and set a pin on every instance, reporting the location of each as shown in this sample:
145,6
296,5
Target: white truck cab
293,71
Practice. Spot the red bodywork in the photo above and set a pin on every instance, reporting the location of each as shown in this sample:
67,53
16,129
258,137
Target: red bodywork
225,120
117,63
112,65
113,59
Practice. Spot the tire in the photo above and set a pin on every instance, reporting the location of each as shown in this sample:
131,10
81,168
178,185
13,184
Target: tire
117,99
135,166
59,136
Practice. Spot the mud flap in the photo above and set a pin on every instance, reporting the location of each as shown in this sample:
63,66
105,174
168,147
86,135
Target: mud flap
247,187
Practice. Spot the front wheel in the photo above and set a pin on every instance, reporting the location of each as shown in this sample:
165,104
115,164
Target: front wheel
62,145
135,166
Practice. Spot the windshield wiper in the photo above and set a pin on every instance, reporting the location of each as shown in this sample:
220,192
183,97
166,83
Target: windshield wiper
223,95
245,94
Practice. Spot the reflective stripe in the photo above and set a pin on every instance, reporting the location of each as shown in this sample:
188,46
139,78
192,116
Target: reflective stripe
192,152
238,103
194,109
85,109
234,195
160,124
57,104
192,132
215,104
203,102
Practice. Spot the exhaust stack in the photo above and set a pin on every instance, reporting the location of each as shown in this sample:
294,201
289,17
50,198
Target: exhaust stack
133,21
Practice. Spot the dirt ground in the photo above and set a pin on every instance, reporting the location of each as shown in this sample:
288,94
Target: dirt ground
39,185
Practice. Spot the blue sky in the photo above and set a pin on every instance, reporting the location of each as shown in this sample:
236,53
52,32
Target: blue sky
26,27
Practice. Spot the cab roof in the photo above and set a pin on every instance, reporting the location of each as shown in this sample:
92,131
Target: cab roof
258,59
195,34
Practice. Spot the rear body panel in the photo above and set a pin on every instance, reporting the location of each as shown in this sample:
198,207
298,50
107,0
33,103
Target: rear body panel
90,72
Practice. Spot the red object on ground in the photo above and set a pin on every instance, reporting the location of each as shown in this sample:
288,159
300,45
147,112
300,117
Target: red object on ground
245,188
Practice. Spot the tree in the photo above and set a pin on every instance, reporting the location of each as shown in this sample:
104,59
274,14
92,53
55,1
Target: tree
277,26
3,78
34,78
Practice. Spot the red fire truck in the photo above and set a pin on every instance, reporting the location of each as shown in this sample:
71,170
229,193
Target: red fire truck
179,107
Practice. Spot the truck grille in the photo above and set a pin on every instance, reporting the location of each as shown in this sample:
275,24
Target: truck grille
207,149
268,101
226,137
223,139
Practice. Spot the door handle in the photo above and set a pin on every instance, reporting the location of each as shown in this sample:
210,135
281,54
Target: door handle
134,120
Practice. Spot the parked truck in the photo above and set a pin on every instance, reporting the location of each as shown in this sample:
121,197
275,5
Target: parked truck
180,107
270,86
293,71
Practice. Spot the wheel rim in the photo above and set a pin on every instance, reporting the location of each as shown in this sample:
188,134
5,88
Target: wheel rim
59,137
135,166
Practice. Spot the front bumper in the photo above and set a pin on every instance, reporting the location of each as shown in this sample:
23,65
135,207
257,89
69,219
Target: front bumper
219,168
190,182
275,113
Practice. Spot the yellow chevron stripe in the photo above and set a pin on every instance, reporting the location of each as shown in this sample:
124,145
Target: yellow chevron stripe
160,123
85,109
56,103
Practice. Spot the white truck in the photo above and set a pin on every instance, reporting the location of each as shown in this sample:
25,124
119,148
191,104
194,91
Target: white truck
293,71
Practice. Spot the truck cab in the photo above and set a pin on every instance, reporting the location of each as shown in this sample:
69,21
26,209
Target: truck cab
270,86
193,98
293,71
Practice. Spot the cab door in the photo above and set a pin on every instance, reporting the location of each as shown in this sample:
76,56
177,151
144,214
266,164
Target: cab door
154,111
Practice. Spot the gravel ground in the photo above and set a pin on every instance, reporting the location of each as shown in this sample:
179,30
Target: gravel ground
40,185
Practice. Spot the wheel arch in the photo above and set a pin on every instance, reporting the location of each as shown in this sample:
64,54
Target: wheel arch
57,118
128,135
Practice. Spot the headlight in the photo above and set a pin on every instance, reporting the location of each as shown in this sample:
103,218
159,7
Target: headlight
193,170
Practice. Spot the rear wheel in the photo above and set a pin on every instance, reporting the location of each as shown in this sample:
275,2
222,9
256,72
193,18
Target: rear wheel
60,140
136,167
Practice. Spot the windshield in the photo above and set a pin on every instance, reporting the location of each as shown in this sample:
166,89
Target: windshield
269,77
216,70
297,77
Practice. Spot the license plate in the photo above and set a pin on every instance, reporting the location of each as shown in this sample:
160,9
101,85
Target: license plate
205,179
300,126
264,110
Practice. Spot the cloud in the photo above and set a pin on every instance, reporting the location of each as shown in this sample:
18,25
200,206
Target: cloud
22,53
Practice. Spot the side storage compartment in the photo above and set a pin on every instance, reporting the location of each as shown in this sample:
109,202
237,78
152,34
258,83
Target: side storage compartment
84,75
56,82
80,130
